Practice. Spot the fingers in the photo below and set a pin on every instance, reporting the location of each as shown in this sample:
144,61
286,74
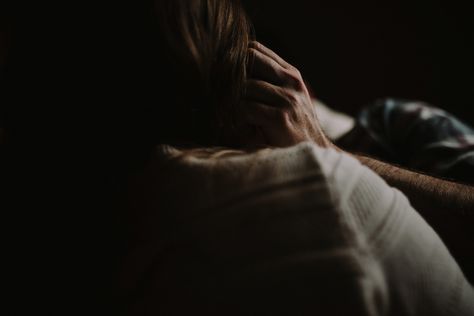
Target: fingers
277,101
265,92
268,52
267,69
262,115
268,66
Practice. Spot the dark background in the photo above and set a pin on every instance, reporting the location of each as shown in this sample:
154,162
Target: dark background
72,67
352,52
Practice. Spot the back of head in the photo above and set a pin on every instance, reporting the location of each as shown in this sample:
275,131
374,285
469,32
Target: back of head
205,58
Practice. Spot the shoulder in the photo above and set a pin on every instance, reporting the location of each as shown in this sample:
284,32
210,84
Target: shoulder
339,170
262,222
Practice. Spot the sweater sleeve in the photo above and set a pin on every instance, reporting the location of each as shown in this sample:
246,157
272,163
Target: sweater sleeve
422,276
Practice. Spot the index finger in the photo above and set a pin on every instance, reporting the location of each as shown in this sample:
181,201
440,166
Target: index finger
267,51
265,68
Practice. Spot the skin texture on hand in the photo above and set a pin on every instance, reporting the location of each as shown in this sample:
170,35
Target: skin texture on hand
280,108
278,103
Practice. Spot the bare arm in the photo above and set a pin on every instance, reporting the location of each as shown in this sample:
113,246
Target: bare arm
280,107
447,206
427,193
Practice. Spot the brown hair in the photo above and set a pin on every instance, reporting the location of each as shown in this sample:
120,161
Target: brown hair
207,44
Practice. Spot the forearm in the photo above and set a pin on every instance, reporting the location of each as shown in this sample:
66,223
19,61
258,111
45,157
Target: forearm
428,193
278,104
447,206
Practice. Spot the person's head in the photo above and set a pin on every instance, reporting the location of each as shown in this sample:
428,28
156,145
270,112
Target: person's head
204,55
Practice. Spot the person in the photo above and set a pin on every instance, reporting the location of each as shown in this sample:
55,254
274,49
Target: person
281,221
305,228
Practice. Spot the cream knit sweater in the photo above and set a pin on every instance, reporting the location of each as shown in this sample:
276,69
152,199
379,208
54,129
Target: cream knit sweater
295,231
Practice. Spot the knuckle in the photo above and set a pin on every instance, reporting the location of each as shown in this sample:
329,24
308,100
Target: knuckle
284,118
281,74
291,98
299,84
287,73
294,78
296,72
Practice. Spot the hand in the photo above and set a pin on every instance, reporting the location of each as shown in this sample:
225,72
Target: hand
278,103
